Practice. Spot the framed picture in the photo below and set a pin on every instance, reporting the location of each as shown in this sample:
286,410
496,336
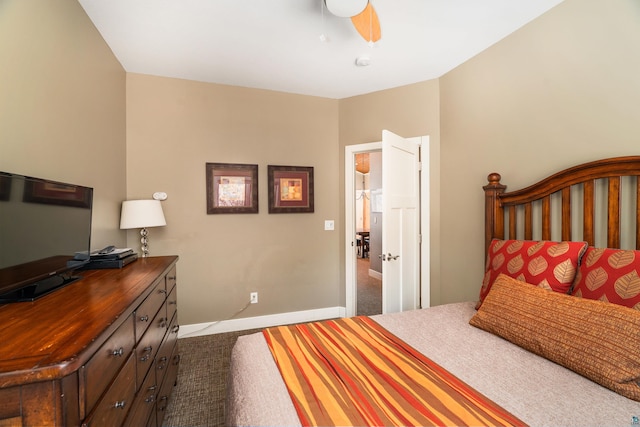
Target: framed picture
232,188
53,193
290,189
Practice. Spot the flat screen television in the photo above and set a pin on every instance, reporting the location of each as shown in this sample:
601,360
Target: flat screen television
45,235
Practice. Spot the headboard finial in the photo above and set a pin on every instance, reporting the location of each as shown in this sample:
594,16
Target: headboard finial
494,216
494,178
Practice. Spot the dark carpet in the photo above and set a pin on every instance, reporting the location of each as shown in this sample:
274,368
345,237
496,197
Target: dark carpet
369,291
199,397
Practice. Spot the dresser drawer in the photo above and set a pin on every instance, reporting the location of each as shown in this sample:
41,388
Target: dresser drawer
105,363
145,403
116,403
166,349
172,303
149,345
147,310
170,279
168,381
10,408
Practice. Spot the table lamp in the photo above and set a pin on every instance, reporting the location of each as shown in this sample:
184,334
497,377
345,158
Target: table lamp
142,214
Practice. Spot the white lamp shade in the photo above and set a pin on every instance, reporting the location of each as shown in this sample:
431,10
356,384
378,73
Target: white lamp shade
141,214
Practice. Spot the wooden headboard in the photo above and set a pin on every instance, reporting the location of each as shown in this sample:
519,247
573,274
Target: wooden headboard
596,198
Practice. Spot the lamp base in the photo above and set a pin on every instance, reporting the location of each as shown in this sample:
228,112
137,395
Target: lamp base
144,241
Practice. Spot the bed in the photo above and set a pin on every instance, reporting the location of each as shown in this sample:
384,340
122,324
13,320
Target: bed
565,351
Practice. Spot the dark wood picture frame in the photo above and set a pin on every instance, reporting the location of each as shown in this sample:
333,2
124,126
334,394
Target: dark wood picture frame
55,193
232,188
290,189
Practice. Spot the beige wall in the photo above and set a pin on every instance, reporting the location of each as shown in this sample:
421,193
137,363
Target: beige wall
62,105
173,128
560,91
408,111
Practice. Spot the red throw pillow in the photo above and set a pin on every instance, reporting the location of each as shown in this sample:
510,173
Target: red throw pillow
550,265
611,275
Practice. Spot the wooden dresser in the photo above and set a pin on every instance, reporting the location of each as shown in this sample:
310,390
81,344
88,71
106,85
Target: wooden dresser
99,352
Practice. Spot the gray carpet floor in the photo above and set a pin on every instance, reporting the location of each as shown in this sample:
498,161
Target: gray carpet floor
199,397
369,291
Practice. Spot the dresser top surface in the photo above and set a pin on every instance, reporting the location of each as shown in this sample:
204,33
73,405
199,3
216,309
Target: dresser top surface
54,335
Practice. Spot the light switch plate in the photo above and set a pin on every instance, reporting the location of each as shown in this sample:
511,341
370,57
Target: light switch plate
328,224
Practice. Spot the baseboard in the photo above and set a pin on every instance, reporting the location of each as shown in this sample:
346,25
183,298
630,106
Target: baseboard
200,329
375,274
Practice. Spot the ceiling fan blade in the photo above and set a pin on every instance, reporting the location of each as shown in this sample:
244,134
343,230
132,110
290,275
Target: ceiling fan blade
367,24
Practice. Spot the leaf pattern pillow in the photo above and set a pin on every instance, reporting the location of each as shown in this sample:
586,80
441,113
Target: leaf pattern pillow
611,275
546,264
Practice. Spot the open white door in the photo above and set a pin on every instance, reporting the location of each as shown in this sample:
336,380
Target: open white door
401,219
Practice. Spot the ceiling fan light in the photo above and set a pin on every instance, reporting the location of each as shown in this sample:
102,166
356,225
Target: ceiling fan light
346,8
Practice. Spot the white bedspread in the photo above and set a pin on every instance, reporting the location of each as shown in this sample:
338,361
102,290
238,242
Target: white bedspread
532,388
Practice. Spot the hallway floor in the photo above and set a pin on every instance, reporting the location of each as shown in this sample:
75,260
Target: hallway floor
369,291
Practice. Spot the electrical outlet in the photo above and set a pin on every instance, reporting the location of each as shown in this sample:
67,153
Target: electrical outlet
253,297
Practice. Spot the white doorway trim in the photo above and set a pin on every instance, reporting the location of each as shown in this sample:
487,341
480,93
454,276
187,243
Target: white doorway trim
350,220
425,223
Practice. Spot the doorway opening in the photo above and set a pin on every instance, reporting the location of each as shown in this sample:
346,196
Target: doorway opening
405,284
368,223
353,251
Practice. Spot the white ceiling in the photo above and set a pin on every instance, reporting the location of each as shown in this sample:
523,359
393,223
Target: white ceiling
276,44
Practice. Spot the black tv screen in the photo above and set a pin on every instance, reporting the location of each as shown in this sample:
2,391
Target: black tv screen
45,234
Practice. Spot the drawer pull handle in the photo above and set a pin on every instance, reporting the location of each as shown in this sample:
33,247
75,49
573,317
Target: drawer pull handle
175,329
176,360
161,363
171,277
152,388
173,302
162,291
119,352
120,405
163,323
163,405
147,356
151,399
144,318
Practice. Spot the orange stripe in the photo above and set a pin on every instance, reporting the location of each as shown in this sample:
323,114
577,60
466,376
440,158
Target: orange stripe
355,372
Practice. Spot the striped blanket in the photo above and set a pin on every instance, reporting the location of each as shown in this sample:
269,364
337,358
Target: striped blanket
353,372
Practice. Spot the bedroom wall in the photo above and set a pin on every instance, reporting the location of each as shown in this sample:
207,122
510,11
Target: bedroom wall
173,128
560,91
62,105
411,110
